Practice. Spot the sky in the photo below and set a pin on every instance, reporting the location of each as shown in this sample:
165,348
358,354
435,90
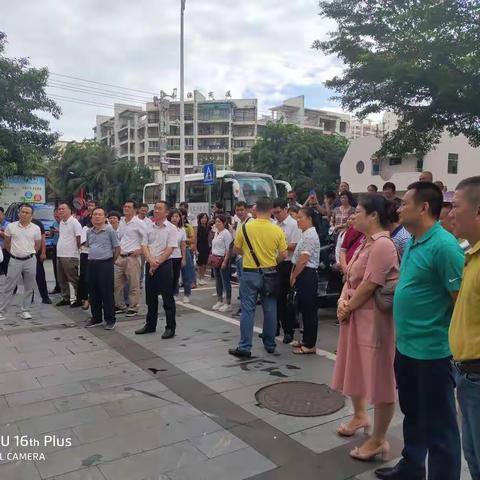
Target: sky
252,48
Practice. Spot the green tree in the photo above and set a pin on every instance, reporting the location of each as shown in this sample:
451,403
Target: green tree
25,137
417,58
306,159
93,167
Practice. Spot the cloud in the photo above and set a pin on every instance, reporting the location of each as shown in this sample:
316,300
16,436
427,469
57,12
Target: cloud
252,48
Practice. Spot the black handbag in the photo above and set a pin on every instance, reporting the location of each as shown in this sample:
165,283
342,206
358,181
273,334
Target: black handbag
271,280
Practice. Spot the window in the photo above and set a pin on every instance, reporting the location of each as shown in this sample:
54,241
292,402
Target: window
453,163
375,169
343,129
360,167
195,191
395,161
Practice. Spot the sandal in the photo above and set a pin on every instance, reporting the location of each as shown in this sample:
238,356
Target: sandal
303,350
297,344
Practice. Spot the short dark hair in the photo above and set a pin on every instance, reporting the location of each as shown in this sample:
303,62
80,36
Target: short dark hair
63,202
308,212
426,192
164,202
392,210
183,205
447,205
389,186
264,205
294,208
114,213
132,201
219,205
373,186
471,185
292,191
374,202
222,218
143,205
96,202
241,204
99,208
331,194
174,211
23,205
279,203
2,210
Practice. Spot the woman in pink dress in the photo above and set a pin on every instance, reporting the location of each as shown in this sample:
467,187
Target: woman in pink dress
366,345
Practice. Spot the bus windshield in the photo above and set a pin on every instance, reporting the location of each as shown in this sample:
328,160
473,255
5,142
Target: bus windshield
253,188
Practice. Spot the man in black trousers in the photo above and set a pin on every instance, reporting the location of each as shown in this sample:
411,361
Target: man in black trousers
41,257
104,249
158,245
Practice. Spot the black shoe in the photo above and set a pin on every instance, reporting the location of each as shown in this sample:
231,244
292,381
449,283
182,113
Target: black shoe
168,333
401,471
47,301
239,353
120,311
55,291
260,335
91,323
109,326
76,304
62,303
131,313
270,349
287,338
144,329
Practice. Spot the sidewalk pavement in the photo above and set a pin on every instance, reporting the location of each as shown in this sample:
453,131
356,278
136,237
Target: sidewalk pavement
112,405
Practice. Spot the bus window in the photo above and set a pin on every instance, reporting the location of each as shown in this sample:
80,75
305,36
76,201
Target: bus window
172,194
254,188
153,193
281,190
195,191
227,195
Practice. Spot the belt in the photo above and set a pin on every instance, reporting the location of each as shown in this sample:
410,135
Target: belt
260,270
468,366
100,259
125,255
22,258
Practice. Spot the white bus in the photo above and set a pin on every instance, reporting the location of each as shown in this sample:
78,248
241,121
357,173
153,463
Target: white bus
229,188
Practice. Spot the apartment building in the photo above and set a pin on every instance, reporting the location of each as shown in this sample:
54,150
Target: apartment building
215,131
452,160
293,111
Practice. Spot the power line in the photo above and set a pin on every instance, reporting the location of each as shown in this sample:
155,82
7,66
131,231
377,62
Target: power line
62,98
88,89
101,83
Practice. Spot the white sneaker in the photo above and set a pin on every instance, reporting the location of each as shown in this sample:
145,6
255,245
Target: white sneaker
186,299
225,308
2,317
217,306
26,315
202,282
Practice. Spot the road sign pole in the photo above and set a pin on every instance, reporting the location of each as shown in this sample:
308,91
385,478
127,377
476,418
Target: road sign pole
209,187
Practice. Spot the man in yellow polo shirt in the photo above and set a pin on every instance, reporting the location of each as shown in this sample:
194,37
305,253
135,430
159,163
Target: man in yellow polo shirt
465,325
269,246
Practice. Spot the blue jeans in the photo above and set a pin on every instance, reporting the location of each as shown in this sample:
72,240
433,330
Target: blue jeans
188,273
250,287
468,395
239,267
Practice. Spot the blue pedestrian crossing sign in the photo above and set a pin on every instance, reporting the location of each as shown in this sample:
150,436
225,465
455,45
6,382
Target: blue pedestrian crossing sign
209,173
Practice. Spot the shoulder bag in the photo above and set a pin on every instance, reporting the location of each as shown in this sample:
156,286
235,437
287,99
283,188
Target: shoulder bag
384,295
271,281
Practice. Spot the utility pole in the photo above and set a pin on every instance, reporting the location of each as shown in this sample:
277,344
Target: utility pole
182,107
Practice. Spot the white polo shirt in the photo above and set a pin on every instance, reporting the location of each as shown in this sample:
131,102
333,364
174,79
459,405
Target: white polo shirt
160,237
22,238
131,234
292,232
67,238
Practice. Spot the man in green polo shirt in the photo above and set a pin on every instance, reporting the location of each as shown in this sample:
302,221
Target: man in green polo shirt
430,277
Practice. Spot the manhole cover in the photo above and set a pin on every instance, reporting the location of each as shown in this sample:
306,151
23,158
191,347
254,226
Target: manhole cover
300,399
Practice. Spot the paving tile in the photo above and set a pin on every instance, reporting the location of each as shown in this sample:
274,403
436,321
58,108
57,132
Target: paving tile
154,463
49,393
218,443
20,470
134,404
37,409
233,466
92,473
16,382
58,421
115,380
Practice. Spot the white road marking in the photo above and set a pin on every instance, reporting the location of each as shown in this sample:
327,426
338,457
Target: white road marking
320,352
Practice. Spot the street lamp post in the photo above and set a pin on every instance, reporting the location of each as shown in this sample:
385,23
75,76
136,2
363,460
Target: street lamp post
182,107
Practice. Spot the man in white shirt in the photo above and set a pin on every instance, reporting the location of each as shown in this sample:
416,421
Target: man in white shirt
285,314
131,232
68,245
158,246
142,215
22,240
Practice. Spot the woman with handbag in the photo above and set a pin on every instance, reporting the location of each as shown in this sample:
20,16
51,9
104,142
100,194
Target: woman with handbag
366,345
179,254
305,278
219,260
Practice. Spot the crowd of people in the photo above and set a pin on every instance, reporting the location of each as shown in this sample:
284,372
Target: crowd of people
408,310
